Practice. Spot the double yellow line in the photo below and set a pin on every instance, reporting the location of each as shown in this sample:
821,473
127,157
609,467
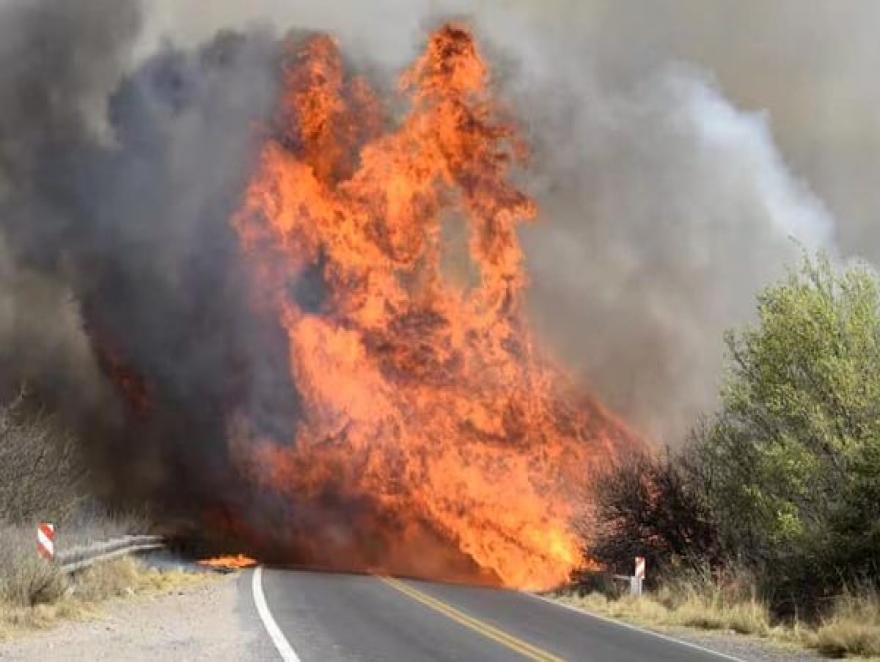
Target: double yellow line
524,648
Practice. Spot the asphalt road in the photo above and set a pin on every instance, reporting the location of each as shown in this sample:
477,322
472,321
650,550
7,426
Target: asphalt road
317,617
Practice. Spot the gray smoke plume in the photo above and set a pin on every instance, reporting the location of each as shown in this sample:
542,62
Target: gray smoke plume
128,129
667,209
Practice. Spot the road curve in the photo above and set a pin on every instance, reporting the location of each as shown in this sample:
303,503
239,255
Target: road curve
318,617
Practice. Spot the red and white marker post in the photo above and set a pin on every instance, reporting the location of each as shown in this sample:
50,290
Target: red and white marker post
46,540
640,567
639,577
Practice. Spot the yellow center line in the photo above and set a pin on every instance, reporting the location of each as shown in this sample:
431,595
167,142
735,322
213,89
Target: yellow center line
524,648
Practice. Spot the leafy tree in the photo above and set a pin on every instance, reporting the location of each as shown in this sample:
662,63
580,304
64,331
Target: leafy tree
795,449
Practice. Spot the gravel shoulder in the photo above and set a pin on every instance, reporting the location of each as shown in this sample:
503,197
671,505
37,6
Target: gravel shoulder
737,646
744,647
214,620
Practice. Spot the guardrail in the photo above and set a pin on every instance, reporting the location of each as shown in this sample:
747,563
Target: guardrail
80,558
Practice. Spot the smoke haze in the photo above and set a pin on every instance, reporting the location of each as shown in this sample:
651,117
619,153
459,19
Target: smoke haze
681,158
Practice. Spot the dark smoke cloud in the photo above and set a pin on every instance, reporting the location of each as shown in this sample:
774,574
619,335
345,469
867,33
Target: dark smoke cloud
118,259
53,83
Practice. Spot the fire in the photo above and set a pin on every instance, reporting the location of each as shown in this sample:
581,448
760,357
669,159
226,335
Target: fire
236,562
427,404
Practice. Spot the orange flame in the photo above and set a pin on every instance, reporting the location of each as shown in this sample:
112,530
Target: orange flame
237,562
422,386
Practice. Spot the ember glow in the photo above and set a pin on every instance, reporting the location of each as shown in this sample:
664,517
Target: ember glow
427,405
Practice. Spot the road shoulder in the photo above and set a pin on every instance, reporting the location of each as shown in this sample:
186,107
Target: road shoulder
213,620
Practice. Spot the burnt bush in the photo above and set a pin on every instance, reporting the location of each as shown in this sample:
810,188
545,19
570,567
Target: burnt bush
653,507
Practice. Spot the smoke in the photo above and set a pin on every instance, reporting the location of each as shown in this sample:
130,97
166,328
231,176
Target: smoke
809,66
678,167
667,210
667,200
685,155
54,83
122,303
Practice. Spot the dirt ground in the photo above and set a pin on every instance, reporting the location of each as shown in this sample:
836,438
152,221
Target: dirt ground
210,621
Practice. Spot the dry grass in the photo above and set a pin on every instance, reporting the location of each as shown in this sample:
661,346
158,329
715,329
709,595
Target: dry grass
730,603
81,596
25,579
704,612
42,478
852,627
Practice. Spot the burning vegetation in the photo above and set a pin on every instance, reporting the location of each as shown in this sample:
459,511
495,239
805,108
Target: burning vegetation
430,417
228,563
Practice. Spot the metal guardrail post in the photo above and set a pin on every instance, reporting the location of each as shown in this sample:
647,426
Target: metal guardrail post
635,586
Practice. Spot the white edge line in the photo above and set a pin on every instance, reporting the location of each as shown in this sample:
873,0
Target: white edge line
630,626
281,644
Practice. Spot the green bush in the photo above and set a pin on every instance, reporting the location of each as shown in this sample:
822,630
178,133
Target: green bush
794,454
